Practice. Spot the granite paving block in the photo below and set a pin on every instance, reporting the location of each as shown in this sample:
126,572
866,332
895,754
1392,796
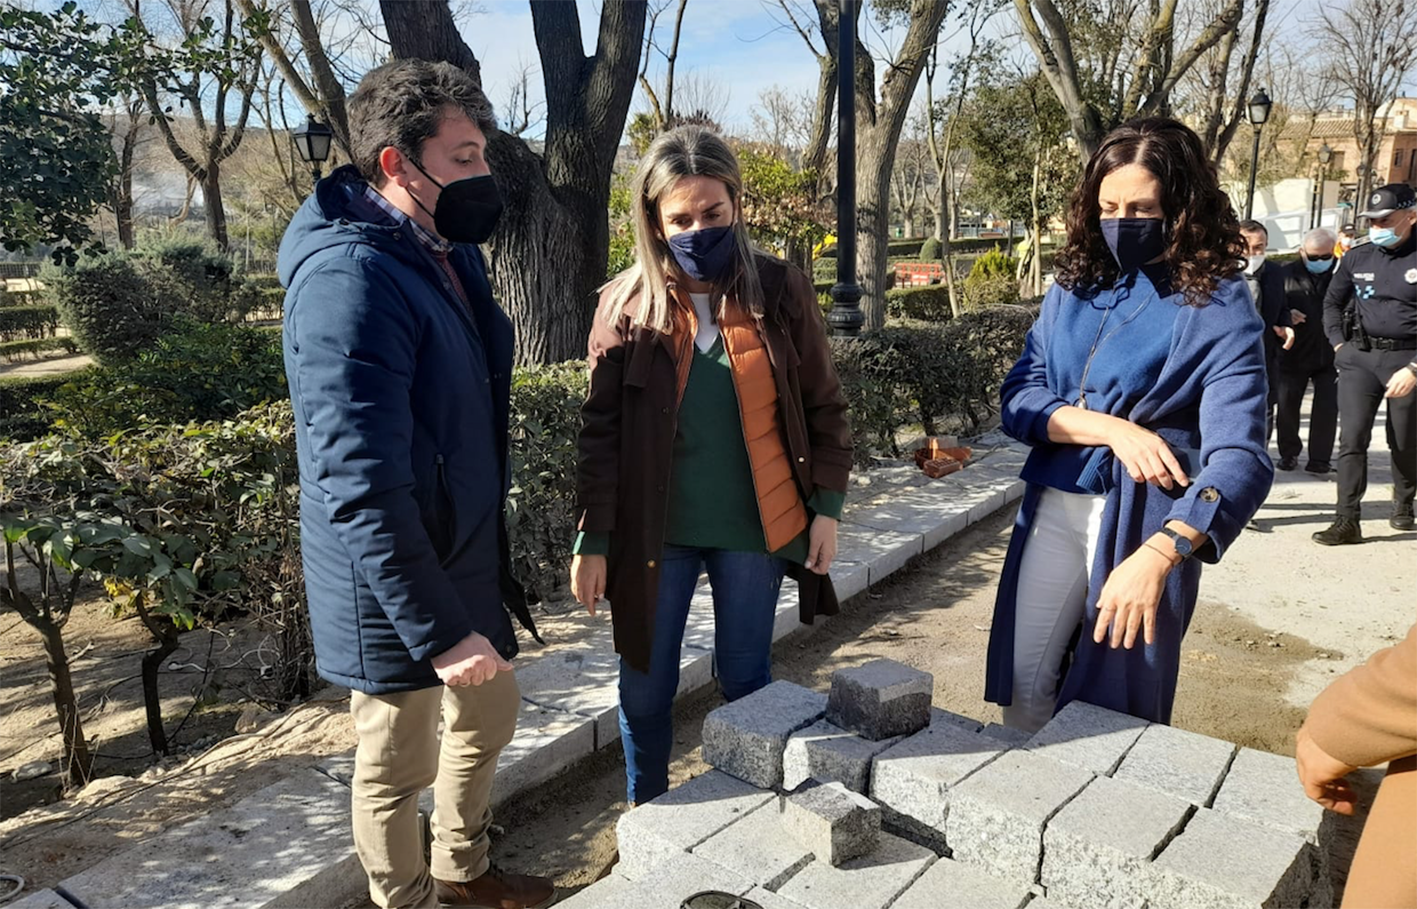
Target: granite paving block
681,819
606,893
935,518
1184,764
578,681
1097,850
830,754
769,900
881,699
747,737
997,815
914,779
545,743
1088,736
1224,862
286,845
672,882
948,883
882,552
43,899
995,497
787,616
833,822
939,715
1264,788
1014,738
757,848
869,882
849,578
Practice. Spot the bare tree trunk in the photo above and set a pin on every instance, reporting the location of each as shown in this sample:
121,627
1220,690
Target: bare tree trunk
212,205
78,760
166,638
123,198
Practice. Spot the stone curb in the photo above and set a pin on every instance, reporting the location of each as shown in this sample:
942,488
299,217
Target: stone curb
569,711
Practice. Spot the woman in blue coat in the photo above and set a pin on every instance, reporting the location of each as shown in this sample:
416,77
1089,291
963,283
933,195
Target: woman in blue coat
1142,391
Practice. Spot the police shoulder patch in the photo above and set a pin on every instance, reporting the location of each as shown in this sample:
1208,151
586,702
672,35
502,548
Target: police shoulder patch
1411,276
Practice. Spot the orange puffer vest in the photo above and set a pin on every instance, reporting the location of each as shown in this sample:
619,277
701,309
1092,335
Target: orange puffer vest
780,506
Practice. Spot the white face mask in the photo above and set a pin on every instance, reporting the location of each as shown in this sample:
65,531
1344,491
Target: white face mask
1253,263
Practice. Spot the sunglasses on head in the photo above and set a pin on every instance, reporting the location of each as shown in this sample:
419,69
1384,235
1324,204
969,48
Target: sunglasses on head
1321,258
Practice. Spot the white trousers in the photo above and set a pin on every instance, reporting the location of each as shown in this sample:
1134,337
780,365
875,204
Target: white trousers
1052,597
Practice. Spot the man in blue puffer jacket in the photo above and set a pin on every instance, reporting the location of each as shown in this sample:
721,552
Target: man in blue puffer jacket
399,364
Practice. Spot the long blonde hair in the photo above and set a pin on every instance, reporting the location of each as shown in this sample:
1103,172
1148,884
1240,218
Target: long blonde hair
642,290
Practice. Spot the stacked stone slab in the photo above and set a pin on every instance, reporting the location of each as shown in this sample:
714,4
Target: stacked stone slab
834,823
881,700
747,738
1096,811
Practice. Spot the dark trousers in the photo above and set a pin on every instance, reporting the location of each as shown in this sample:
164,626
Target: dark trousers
1323,421
1362,379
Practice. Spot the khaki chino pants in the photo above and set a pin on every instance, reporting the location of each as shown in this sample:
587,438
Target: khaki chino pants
399,756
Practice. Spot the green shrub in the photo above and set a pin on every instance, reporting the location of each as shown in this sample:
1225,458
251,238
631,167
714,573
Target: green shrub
107,305
20,323
10,351
24,411
931,250
930,303
187,277
991,281
194,372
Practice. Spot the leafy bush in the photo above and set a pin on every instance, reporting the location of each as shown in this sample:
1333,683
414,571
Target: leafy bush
195,372
905,249
11,351
107,305
20,323
24,411
187,277
931,250
923,304
991,281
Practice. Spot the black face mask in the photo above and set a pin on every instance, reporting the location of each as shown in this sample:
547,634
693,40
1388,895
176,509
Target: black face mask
467,210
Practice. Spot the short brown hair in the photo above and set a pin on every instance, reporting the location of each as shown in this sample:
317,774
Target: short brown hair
402,104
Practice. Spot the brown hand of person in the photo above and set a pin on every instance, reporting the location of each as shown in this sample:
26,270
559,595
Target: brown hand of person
588,574
1287,333
1146,456
1401,384
1130,598
471,661
821,544
1322,775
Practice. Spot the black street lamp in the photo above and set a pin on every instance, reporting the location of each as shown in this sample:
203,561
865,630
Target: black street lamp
1259,113
846,317
1325,157
312,141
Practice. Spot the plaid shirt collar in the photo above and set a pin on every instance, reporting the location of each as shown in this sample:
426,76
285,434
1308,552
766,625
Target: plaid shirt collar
434,243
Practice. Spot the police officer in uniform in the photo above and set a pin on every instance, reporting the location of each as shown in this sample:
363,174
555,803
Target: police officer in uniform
1370,318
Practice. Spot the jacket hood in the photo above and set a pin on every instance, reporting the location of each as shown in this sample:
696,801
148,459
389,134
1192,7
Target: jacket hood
337,215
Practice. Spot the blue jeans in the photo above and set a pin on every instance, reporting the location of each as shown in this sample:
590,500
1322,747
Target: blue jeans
745,590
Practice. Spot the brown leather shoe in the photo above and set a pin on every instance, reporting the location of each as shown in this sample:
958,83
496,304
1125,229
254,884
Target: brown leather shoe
497,889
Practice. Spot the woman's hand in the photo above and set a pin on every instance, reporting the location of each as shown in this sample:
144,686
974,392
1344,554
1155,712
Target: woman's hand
588,573
1130,598
1322,775
1145,455
821,544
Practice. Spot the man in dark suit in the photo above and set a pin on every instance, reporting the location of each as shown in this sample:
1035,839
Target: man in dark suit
1266,283
1310,360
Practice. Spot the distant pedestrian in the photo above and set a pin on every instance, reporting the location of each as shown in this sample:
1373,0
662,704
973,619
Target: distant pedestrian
1310,361
1266,284
1370,318
1142,391
1347,236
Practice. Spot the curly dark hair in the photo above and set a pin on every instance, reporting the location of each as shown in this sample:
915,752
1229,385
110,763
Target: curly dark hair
1203,235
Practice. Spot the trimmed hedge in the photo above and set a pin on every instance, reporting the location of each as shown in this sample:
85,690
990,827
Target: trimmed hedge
930,303
23,323
23,411
11,351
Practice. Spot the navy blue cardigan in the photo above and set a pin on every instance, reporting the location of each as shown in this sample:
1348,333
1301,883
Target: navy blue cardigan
1193,374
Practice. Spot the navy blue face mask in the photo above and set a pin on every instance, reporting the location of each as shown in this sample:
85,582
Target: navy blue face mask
1134,241
705,254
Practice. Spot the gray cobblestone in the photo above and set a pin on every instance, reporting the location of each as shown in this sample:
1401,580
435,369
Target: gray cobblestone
606,893
880,699
747,737
674,881
1264,788
997,815
1097,851
769,900
830,754
833,822
681,819
939,716
870,882
757,848
1223,862
914,778
1087,736
1007,735
948,883
1178,762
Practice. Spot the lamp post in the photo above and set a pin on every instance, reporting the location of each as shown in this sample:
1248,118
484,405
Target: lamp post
312,141
1325,156
1259,112
846,317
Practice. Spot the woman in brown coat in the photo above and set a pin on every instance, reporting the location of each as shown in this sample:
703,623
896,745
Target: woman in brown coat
714,438
1364,718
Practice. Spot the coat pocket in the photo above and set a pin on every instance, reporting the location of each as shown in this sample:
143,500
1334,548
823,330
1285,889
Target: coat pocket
446,510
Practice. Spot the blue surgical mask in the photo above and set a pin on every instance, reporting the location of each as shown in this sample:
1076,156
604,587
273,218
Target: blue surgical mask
1385,237
1134,241
1318,266
705,254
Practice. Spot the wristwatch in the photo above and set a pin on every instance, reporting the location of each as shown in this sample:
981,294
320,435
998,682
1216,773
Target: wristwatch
1184,549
